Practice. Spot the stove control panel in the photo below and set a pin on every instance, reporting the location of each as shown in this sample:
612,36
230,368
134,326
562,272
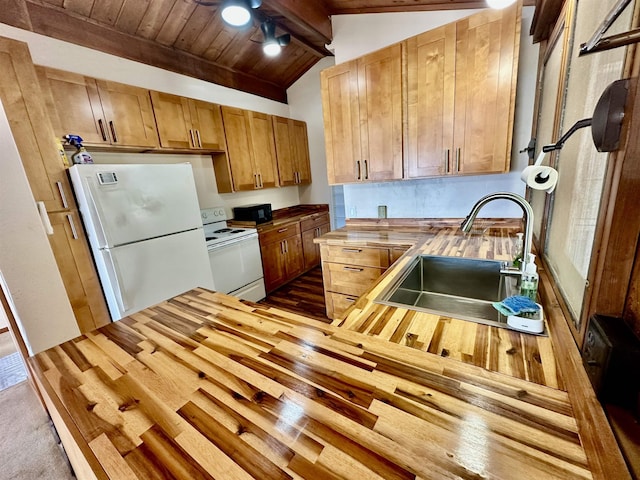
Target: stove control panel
215,214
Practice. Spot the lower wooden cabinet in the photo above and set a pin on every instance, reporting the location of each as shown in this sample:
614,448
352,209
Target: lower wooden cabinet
79,276
313,227
282,255
349,271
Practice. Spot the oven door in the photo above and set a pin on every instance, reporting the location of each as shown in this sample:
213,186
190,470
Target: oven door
236,265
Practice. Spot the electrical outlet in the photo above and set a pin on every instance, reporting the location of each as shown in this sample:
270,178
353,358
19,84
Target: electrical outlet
353,212
382,211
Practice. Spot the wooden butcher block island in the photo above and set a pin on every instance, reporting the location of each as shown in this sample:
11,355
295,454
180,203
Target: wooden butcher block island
204,386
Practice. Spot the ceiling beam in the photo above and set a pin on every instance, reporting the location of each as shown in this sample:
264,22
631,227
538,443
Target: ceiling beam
312,17
63,25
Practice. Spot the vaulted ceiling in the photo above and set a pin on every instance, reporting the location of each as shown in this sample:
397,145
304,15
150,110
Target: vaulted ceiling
189,38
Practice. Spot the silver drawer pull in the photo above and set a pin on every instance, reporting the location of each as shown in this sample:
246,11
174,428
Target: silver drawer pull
351,299
282,230
62,195
73,227
352,250
354,269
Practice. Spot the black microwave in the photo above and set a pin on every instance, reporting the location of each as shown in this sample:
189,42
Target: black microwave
258,212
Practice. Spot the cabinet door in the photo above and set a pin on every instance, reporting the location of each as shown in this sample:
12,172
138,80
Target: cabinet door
380,97
285,153
207,124
311,249
173,117
430,102
128,115
292,151
341,115
264,149
300,147
294,256
78,273
274,265
23,103
239,150
73,104
486,71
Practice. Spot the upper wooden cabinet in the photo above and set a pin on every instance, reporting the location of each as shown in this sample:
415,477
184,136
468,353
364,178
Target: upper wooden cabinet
100,111
250,148
185,123
363,116
461,82
292,151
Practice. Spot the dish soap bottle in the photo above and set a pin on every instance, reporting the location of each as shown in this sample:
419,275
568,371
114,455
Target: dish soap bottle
529,283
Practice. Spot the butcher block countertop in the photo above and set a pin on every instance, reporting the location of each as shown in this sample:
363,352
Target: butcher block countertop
205,386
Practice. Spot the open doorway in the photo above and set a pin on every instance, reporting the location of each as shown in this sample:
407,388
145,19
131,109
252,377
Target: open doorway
12,369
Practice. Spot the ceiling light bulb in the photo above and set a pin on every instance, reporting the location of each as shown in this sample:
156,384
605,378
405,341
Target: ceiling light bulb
236,15
497,4
271,48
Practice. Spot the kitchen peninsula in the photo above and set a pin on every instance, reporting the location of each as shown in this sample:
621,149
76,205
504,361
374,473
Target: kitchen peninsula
206,386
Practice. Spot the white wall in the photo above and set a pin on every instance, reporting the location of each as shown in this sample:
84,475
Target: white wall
28,271
305,103
356,35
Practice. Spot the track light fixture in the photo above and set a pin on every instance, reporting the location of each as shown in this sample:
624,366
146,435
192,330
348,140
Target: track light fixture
272,45
237,13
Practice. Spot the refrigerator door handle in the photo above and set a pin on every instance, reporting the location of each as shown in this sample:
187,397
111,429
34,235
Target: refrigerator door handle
115,274
93,207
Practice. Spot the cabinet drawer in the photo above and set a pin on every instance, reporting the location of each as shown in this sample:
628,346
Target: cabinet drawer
314,221
280,233
349,279
366,256
338,303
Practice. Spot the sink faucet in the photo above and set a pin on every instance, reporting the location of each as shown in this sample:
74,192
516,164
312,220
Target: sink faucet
465,226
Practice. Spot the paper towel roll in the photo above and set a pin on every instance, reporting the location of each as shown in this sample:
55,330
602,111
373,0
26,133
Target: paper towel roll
540,177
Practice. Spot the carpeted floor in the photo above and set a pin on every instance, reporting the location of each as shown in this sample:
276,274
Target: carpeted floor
28,449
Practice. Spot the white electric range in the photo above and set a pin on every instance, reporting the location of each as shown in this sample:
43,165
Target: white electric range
234,255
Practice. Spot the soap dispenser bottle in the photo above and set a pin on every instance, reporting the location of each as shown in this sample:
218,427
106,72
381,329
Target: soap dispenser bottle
529,283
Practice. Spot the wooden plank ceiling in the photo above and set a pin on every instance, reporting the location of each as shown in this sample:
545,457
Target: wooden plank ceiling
185,37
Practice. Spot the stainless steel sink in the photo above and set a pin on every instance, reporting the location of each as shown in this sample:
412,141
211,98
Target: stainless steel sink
456,287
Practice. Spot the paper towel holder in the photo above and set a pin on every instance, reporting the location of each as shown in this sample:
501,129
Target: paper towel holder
606,122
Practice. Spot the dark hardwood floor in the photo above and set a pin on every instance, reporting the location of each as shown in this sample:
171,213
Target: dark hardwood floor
304,295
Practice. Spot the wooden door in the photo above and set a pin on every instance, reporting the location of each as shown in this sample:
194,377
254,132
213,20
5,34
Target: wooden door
300,146
274,265
341,116
380,97
74,107
312,250
239,149
285,153
34,136
77,270
294,256
173,118
486,71
430,102
207,123
128,115
264,149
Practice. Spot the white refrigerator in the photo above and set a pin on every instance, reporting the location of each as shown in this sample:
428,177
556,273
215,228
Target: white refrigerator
145,232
